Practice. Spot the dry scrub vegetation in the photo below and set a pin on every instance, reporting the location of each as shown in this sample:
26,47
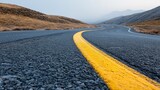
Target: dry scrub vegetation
14,17
149,27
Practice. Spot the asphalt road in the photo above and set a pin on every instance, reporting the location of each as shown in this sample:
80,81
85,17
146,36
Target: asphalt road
139,51
49,60
46,62
10,36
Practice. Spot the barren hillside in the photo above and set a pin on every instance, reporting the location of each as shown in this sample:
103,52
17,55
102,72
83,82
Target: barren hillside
149,27
13,17
145,22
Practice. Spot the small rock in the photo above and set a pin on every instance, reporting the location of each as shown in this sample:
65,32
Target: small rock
31,89
42,89
69,85
59,89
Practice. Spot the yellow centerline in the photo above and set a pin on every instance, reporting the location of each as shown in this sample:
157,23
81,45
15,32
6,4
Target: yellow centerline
116,75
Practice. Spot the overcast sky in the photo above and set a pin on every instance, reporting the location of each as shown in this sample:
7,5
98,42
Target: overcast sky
85,10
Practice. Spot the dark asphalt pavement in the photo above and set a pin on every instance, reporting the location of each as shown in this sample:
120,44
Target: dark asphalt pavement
9,36
139,51
49,62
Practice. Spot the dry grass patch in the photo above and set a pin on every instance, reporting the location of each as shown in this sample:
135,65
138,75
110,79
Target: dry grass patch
149,27
14,17
25,23
9,6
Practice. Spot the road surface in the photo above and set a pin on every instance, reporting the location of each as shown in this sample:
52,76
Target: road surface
38,60
139,51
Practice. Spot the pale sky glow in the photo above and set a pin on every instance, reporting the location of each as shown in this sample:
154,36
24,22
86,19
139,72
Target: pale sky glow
85,10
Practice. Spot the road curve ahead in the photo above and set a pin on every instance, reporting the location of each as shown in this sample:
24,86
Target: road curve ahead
50,60
117,75
138,51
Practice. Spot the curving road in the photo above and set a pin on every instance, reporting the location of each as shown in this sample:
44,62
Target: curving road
49,60
139,51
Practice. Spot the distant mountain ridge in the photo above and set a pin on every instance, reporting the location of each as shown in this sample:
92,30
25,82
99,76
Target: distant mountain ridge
115,14
122,13
13,17
139,17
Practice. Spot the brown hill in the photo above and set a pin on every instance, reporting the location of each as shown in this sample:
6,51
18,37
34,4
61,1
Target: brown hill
13,17
145,22
152,14
149,27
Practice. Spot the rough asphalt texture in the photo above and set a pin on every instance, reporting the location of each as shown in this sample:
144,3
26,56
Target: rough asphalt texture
139,51
50,62
10,36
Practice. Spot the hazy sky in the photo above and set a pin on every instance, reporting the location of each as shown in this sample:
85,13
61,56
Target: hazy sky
85,10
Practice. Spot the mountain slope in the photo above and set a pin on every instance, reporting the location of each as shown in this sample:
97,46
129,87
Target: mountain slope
118,14
149,27
146,22
14,17
140,17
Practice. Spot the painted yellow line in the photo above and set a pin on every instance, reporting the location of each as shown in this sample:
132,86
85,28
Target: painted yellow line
116,75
